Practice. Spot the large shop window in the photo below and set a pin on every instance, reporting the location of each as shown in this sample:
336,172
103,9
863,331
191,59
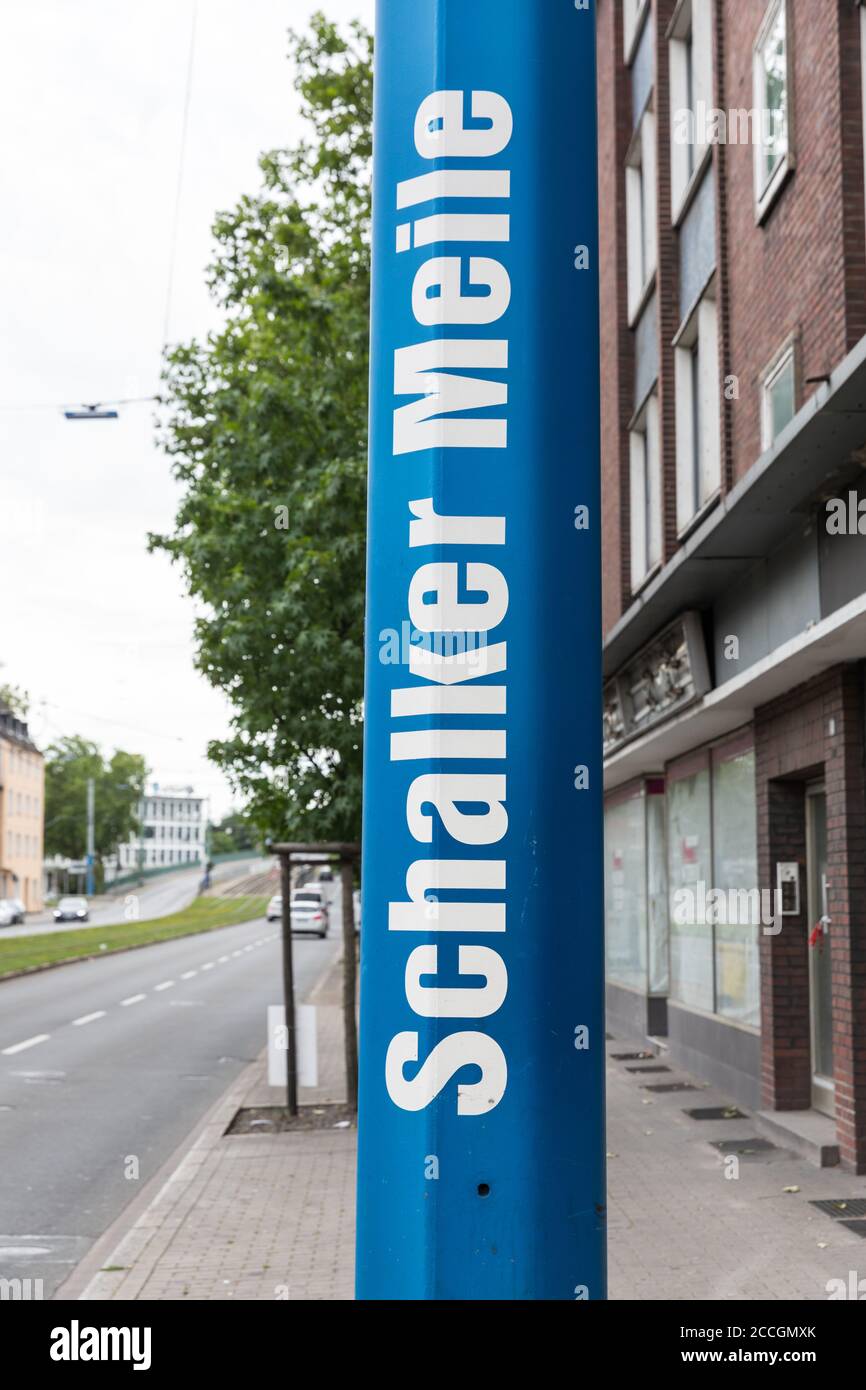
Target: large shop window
635,890
625,893
713,884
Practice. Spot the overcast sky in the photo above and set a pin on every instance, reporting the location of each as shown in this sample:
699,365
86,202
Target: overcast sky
91,113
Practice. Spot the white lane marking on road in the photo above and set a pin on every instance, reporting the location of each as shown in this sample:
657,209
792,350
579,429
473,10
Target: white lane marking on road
208,965
188,974
166,984
221,960
28,1042
133,999
236,953
88,1018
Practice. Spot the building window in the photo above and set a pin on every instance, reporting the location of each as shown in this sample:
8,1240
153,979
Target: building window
641,212
716,910
698,411
774,152
634,12
645,493
778,395
735,873
689,866
691,69
625,892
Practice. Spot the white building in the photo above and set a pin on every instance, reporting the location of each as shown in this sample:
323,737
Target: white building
172,831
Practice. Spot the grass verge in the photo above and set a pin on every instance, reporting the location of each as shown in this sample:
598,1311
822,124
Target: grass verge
18,953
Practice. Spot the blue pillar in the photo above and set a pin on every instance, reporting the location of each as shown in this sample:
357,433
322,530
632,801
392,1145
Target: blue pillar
481,1168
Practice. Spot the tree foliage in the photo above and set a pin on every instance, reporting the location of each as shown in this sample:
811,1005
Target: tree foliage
15,699
233,834
267,436
118,788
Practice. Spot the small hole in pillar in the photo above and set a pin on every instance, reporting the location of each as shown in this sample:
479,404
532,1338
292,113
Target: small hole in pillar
483,1189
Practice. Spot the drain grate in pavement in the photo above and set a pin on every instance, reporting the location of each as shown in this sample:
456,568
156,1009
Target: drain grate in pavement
841,1206
716,1112
664,1087
742,1146
632,1056
858,1227
646,1071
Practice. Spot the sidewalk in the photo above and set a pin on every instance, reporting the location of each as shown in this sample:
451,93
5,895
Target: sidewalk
251,1216
272,1216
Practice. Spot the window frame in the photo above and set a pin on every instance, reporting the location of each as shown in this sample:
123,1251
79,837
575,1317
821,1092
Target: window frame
767,188
787,354
634,14
695,427
646,425
641,196
688,161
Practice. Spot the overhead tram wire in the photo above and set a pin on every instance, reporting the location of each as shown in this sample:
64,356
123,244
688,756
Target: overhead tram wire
100,410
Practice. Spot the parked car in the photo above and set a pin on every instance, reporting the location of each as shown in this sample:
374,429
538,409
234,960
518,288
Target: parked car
11,911
275,908
326,874
18,908
72,910
309,911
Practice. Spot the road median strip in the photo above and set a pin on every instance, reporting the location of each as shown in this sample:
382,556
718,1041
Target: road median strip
21,955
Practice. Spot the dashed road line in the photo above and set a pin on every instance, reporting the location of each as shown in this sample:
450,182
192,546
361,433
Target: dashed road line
88,1018
28,1042
133,999
166,984
188,974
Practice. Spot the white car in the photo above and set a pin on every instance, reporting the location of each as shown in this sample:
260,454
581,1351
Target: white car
275,908
72,910
309,911
7,916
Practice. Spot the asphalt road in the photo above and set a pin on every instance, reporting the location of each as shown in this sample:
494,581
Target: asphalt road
115,1058
156,897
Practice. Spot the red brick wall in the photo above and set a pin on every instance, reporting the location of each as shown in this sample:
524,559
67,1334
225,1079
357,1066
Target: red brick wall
667,280
791,273
794,742
617,357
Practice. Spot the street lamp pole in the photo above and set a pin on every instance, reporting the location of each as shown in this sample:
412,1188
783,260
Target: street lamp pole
91,834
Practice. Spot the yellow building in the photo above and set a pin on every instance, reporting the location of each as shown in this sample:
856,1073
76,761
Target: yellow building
22,812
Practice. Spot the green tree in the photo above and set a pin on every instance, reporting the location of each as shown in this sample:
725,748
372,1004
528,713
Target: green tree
15,699
267,434
118,788
233,834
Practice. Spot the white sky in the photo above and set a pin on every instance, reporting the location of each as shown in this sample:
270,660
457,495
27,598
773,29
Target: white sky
91,109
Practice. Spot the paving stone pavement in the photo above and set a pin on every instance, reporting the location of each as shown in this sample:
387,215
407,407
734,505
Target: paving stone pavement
251,1216
680,1229
272,1216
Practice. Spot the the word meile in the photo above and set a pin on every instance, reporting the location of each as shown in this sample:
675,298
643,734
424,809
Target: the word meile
432,371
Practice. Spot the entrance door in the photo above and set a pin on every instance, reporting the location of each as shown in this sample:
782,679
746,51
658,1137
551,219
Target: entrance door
820,953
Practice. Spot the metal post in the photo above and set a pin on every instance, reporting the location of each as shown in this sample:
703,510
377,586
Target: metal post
91,834
481,1141
350,1030
289,986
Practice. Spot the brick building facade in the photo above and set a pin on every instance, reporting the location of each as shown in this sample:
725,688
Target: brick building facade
733,340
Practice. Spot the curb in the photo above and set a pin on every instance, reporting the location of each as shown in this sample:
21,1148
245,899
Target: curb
124,1225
